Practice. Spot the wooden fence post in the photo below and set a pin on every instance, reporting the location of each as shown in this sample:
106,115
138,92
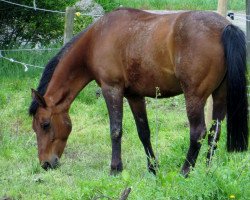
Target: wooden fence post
248,29
69,24
222,9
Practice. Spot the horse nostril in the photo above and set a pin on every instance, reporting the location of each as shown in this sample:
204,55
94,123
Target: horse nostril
46,165
51,164
55,162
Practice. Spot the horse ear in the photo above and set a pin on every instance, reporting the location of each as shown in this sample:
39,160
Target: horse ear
39,98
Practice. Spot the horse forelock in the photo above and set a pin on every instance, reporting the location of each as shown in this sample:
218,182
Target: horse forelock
49,70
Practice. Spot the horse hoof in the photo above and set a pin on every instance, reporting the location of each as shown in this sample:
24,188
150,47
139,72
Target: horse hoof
115,170
185,172
152,169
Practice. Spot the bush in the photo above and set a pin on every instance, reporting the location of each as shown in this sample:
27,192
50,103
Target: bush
28,26
108,5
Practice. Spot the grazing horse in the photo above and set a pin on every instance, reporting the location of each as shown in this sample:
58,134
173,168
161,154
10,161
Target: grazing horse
130,53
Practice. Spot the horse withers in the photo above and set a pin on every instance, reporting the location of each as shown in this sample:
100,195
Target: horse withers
130,53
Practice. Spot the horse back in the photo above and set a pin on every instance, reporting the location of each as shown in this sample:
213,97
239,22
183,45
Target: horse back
141,51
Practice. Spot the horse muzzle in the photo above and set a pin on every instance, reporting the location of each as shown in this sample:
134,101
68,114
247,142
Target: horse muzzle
52,164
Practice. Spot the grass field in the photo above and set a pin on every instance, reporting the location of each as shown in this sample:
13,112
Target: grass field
84,170
172,4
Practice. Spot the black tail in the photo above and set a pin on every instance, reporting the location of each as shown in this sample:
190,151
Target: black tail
234,43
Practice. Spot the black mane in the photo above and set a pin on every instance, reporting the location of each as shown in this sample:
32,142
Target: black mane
49,70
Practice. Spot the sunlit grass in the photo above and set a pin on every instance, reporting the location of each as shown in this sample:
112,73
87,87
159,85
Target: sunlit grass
84,170
171,4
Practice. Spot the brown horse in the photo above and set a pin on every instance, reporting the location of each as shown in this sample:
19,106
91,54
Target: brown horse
129,53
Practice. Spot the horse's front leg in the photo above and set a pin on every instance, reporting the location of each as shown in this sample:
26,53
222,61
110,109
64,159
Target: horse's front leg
114,100
138,107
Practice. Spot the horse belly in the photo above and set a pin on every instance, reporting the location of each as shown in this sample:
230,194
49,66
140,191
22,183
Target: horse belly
149,84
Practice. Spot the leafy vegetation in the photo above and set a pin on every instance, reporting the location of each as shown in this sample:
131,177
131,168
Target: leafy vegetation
84,170
20,26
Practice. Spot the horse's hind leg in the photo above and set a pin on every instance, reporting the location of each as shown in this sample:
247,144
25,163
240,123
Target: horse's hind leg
138,107
219,112
114,100
195,112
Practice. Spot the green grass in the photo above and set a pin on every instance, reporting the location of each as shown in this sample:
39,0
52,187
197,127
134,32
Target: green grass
171,4
84,170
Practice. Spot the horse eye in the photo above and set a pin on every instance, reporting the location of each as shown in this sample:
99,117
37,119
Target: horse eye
45,126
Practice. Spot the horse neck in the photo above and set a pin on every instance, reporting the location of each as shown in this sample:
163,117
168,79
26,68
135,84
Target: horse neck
69,78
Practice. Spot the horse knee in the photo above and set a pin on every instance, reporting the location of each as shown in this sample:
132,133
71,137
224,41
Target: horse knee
197,134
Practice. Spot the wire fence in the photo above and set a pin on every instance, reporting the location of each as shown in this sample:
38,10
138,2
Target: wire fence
34,7
34,49
233,16
25,65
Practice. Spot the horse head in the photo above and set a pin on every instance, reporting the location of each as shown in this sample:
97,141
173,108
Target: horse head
52,126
